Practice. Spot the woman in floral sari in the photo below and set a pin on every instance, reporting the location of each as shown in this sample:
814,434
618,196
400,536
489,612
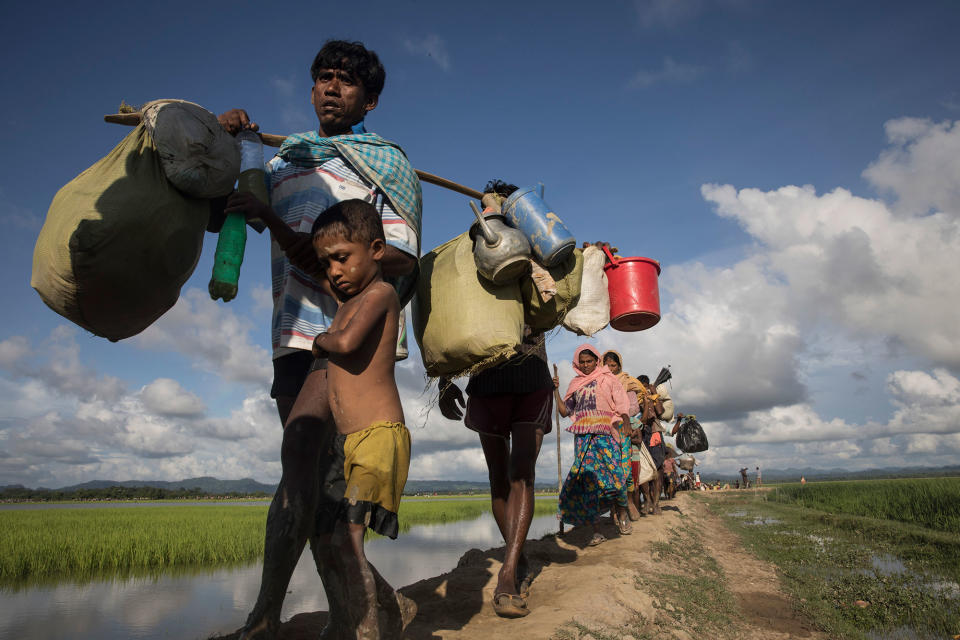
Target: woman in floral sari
599,405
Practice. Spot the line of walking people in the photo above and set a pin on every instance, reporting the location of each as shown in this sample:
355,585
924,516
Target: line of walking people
619,448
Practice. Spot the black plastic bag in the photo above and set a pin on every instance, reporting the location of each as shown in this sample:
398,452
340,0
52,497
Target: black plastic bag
690,436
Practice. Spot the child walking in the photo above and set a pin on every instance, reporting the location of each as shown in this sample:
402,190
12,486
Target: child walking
371,451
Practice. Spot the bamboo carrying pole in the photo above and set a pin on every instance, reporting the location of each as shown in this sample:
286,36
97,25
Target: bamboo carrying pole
274,140
556,413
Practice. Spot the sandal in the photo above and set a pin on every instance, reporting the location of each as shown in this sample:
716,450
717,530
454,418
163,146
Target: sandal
597,539
509,605
624,527
523,568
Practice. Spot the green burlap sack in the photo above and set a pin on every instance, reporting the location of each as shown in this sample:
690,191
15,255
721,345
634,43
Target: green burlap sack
462,322
118,243
543,316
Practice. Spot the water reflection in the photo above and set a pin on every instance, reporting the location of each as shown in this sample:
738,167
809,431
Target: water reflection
217,601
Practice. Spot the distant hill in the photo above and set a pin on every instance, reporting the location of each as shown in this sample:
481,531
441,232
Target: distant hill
206,484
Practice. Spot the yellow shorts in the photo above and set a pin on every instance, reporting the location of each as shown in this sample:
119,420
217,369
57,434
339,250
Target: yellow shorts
370,467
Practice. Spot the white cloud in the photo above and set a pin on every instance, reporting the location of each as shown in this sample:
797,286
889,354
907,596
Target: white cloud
262,299
921,167
851,261
670,72
166,397
212,336
431,46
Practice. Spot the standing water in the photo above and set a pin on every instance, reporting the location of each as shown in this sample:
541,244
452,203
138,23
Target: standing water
216,601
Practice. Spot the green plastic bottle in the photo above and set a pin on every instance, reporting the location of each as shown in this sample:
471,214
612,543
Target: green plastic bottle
233,235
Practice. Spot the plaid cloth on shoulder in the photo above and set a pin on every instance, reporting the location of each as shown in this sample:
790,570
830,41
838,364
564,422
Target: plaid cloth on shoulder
378,160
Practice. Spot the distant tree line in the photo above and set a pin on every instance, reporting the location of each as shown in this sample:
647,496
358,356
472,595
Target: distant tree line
23,494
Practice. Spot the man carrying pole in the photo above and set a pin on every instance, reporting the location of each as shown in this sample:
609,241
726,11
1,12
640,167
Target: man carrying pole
312,171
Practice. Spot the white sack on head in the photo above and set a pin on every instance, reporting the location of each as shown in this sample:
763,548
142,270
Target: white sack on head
592,311
198,156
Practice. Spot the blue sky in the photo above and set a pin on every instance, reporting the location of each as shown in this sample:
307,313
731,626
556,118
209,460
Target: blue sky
792,165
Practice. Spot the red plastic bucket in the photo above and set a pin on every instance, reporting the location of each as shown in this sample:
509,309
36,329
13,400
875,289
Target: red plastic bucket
634,294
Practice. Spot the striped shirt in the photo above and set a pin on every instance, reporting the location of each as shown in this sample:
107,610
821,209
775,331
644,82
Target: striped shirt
298,195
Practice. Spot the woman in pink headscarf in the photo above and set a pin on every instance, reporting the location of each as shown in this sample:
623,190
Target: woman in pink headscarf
598,404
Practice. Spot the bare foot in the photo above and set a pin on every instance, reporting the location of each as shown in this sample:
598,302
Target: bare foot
264,629
396,615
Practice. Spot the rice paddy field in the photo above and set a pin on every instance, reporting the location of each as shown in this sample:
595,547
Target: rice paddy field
871,559
933,503
47,545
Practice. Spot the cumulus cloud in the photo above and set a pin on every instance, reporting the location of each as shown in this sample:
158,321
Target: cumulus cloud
921,166
671,72
852,261
64,423
56,363
212,336
166,397
432,46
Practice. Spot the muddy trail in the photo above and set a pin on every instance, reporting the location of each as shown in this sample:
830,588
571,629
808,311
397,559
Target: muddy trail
679,575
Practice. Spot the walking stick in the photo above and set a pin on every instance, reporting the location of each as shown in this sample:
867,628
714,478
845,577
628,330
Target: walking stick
556,414
274,140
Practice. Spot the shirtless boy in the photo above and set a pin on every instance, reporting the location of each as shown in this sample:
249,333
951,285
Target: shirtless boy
371,451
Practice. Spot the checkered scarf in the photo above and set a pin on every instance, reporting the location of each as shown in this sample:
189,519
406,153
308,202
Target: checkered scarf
378,160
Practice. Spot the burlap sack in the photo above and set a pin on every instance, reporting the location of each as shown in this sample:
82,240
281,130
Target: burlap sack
462,322
198,156
543,315
118,243
592,311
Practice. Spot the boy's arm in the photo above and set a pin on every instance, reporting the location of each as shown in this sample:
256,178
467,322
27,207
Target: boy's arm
351,337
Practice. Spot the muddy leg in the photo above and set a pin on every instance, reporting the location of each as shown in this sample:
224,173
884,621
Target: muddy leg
647,500
396,610
360,584
325,556
655,489
291,515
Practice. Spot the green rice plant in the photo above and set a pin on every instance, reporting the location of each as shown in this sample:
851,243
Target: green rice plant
88,543
933,503
46,545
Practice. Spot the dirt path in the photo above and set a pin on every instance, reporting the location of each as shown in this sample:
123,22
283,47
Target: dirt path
636,586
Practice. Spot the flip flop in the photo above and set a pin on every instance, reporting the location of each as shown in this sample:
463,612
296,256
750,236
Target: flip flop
597,538
509,605
624,527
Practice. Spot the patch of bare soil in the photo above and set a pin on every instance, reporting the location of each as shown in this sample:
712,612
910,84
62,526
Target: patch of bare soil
582,592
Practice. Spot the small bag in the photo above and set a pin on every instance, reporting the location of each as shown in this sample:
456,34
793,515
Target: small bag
647,467
592,311
690,436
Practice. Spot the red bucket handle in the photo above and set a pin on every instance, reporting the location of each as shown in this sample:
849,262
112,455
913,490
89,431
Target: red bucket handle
614,261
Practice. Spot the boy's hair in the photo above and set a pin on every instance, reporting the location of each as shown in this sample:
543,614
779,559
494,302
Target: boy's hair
500,188
353,57
354,220
644,379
